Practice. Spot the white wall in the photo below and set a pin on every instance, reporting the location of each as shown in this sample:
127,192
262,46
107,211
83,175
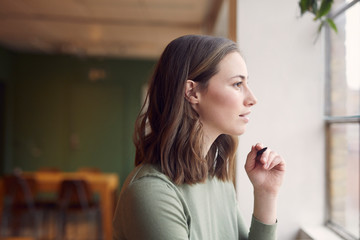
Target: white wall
286,69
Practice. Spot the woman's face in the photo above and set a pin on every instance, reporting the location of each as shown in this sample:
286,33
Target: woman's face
224,106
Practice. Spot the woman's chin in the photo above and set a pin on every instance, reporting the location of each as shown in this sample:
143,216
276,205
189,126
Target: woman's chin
238,132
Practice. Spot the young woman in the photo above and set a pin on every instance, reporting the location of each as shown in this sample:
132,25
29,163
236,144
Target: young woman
181,188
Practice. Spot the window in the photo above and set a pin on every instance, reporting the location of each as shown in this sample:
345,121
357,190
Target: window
343,119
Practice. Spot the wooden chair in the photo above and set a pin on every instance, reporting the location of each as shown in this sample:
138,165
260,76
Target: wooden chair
20,210
75,197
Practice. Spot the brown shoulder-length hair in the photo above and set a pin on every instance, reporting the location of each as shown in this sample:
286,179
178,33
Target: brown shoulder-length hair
168,132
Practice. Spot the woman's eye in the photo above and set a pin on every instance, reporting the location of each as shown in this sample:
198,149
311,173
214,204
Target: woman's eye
238,84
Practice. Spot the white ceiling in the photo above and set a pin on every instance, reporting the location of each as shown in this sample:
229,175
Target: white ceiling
118,28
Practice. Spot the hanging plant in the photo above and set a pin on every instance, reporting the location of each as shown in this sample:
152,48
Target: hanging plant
321,13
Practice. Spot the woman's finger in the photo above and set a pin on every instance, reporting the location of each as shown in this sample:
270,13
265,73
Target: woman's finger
277,162
259,146
264,158
270,159
252,157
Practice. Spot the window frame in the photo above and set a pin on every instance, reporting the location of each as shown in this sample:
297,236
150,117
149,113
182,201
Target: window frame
329,120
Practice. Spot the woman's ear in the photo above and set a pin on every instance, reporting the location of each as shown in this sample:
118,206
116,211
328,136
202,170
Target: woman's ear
191,92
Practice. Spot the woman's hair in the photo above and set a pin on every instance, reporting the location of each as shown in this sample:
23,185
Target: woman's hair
168,132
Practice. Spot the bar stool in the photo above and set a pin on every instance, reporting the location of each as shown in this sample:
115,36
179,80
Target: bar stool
75,198
20,213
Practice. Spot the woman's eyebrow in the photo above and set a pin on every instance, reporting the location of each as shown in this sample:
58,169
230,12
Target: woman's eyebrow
240,76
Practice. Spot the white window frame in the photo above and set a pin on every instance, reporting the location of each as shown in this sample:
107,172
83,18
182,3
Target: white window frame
329,119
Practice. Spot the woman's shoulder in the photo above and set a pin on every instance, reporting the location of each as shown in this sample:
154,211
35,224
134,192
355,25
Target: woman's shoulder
147,178
145,188
147,171
147,201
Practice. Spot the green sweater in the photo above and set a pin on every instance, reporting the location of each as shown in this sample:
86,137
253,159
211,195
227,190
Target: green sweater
152,207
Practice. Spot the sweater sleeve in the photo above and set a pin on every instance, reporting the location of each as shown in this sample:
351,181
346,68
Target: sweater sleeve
258,230
150,209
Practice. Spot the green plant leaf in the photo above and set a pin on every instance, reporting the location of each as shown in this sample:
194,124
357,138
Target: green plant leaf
308,6
304,5
320,26
332,24
324,8
311,6
314,6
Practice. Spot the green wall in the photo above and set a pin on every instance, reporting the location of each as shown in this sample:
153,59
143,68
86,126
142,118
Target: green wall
63,119
6,60
6,63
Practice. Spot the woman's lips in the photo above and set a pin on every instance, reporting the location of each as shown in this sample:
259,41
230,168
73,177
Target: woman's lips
245,117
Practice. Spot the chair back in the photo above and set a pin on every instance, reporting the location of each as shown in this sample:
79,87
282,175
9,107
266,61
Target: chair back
74,193
20,191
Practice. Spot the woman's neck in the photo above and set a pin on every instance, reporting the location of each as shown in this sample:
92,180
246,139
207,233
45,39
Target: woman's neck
208,141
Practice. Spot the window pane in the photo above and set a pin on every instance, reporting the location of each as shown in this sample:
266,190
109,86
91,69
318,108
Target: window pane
344,176
344,64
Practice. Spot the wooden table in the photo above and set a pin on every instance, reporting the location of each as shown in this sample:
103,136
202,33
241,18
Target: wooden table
105,184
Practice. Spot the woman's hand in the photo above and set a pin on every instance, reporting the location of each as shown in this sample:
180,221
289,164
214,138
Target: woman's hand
265,172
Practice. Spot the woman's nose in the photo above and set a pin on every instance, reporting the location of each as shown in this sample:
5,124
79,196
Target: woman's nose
250,98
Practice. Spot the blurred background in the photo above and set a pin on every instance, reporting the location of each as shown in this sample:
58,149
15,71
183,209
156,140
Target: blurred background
73,76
